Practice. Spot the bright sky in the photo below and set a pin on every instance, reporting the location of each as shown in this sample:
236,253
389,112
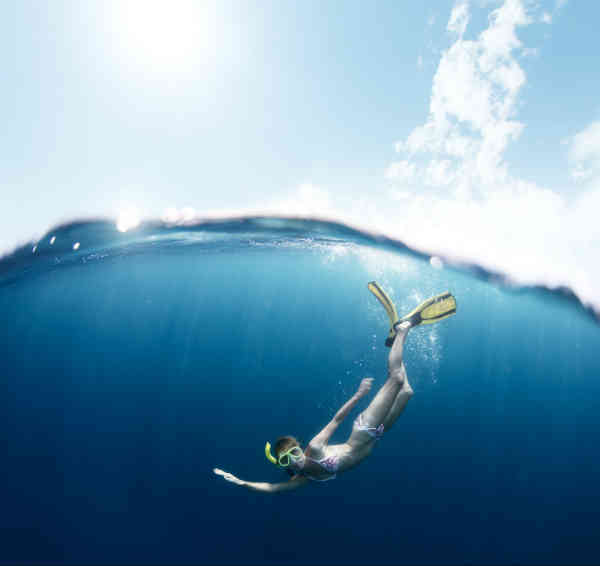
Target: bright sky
466,128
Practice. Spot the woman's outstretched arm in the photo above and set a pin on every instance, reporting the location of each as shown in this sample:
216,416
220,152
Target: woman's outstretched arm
323,437
294,483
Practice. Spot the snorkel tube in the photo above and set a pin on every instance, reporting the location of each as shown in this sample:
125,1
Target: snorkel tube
268,454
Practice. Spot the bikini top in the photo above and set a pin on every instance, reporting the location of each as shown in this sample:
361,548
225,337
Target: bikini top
330,464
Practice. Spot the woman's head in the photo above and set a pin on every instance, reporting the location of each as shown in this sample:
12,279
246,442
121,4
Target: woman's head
284,443
288,452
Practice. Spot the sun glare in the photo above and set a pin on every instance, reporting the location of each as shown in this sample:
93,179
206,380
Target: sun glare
164,37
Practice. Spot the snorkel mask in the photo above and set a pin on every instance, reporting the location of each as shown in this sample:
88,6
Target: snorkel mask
285,458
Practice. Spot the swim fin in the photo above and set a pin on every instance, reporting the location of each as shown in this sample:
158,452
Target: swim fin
389,307
432,310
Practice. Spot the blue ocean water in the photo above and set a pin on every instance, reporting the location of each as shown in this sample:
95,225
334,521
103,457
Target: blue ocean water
133,364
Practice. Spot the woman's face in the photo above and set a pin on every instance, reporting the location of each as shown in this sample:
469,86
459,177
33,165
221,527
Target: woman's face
296,458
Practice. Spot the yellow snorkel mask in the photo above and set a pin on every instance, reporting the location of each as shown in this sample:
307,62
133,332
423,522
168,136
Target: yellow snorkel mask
285,458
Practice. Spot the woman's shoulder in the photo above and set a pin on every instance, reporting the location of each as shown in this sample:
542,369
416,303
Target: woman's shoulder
315,451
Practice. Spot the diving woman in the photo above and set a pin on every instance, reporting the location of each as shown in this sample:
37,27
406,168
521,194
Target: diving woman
320,461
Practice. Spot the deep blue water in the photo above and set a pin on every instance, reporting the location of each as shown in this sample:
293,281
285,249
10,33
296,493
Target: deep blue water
134,365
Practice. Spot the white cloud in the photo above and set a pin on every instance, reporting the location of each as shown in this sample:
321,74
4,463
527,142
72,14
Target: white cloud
402,171
584,153
459,18
439,172
547,18
472,104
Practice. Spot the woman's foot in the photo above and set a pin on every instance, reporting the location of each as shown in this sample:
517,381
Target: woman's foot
402,327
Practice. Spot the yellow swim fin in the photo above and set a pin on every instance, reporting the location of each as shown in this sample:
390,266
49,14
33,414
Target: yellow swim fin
432,310
389,307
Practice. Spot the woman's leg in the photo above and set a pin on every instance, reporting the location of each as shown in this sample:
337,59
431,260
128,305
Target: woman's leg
385,400
405,393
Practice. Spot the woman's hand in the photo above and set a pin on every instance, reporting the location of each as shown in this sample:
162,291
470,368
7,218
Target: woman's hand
364,387
228,476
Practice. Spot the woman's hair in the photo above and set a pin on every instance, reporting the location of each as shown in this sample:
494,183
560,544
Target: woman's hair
285,443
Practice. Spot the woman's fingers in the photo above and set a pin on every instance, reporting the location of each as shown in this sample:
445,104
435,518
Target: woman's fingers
228,476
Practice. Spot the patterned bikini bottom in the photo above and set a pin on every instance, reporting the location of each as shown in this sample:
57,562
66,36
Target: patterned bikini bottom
372,431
